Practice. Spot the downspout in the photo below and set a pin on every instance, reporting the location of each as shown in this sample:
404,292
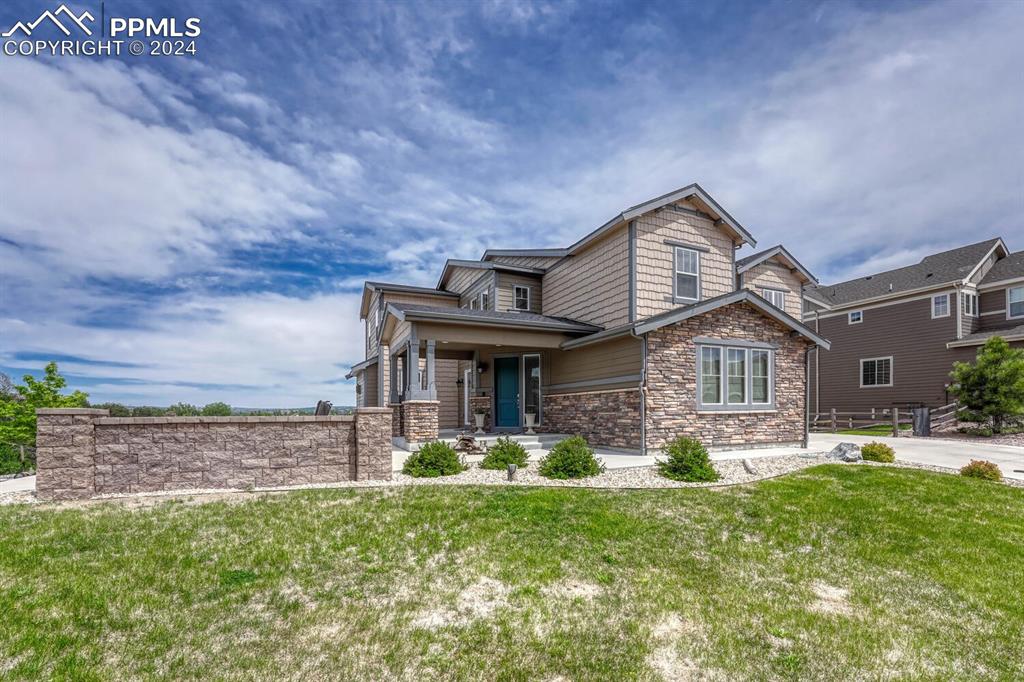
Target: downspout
643,393
807,390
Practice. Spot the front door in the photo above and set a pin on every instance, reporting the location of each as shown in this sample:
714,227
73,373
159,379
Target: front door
506,382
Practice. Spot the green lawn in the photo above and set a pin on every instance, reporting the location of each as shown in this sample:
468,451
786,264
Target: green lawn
838,572
876,430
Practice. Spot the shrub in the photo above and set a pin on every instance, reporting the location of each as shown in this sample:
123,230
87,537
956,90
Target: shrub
979,468
982,431
570,458
687,460
504,452
433,459
878,452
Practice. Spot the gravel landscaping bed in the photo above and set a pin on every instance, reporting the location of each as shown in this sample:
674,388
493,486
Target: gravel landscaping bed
1016,439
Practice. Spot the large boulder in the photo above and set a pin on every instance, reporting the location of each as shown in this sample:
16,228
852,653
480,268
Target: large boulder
846,452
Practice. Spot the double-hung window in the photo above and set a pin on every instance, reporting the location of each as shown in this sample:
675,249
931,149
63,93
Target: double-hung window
855,317
970,304
777,297
687,274
522,297
1015,302
485,300
875,372
735,378
940,306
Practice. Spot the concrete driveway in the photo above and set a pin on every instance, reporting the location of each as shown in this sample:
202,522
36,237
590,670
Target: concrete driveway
935,451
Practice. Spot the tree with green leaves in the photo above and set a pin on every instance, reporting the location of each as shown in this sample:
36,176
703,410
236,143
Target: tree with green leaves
183,410
993,385
217,410
115,409
18,417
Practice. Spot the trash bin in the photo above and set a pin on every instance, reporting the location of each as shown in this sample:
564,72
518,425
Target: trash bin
922,421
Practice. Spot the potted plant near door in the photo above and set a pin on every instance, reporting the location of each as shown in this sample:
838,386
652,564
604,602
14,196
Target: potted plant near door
479,416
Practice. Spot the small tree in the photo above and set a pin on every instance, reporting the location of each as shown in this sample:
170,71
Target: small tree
217,410
115,409
18,417
993,385
183,410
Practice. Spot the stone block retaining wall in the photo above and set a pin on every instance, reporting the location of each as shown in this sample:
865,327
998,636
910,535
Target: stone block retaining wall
84,452
610,418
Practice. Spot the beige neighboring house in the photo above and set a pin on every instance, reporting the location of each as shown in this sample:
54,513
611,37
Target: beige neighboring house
646,329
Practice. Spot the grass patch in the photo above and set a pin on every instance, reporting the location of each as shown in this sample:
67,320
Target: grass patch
837,572
877,430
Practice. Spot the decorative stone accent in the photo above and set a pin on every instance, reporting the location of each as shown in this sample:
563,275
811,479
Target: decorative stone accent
671,393
846,452
420,420
480,403
83,453
608,418
396,420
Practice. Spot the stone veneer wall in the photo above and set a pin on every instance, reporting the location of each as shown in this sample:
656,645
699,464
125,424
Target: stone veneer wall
671,393
609,418
84,452
480,403
420,420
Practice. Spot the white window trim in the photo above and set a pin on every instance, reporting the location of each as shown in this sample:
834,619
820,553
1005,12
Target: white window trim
781,292
849,317
948,306
515,298
1008,304
967,295
724,406
481,297
540,387
676,272
892,372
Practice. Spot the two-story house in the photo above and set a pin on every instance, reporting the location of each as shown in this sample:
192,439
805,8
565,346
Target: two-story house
895,335
646,329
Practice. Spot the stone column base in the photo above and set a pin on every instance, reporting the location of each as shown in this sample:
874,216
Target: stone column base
420,420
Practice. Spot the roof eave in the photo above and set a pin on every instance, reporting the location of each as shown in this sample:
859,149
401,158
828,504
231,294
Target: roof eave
780,250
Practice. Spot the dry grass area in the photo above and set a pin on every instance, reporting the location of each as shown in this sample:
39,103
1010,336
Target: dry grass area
836,572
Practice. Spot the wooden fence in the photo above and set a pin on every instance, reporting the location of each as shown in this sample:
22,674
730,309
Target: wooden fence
945,418
834,420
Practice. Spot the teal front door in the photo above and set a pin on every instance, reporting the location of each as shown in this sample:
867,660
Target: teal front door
506,382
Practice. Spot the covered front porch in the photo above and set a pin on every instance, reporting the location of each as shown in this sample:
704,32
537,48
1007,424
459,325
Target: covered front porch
440,373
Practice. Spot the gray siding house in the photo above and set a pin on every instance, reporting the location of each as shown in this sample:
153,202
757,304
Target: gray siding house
895,335
645,329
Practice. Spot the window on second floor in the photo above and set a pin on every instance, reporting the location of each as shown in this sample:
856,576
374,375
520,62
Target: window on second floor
876,372
970,304
940,306
777,297
687,274
855,317
1015,302
473,304
522,297
485,300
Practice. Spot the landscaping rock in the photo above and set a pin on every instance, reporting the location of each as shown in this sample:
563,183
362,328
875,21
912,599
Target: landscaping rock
846,452
748,465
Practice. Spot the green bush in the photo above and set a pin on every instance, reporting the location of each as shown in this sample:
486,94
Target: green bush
687,460
570,458
982,431
504,452
433,459
979,468
878,452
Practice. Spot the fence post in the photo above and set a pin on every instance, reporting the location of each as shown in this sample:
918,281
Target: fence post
895,422
833,414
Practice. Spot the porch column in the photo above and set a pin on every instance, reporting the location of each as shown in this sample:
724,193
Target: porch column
431,368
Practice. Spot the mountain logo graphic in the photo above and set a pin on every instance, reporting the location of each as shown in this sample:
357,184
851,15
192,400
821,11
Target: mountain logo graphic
78,21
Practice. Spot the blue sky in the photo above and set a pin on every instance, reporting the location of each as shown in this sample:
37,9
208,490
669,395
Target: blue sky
199,228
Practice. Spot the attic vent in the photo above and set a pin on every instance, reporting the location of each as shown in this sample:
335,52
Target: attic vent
869,277
928,275
890,286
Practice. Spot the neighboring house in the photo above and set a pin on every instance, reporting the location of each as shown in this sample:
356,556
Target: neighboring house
644,330
895,335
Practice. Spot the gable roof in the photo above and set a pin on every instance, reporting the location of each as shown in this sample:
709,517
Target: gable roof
679,314
453,263
369,287
947,267
778,251
1010,267
359,366
416,312
692,192
535,253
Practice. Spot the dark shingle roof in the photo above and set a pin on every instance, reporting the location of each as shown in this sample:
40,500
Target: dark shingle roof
495,317
979,338
1010,267
940,268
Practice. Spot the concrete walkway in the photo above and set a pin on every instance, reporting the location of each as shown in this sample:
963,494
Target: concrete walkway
14,485
936,451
